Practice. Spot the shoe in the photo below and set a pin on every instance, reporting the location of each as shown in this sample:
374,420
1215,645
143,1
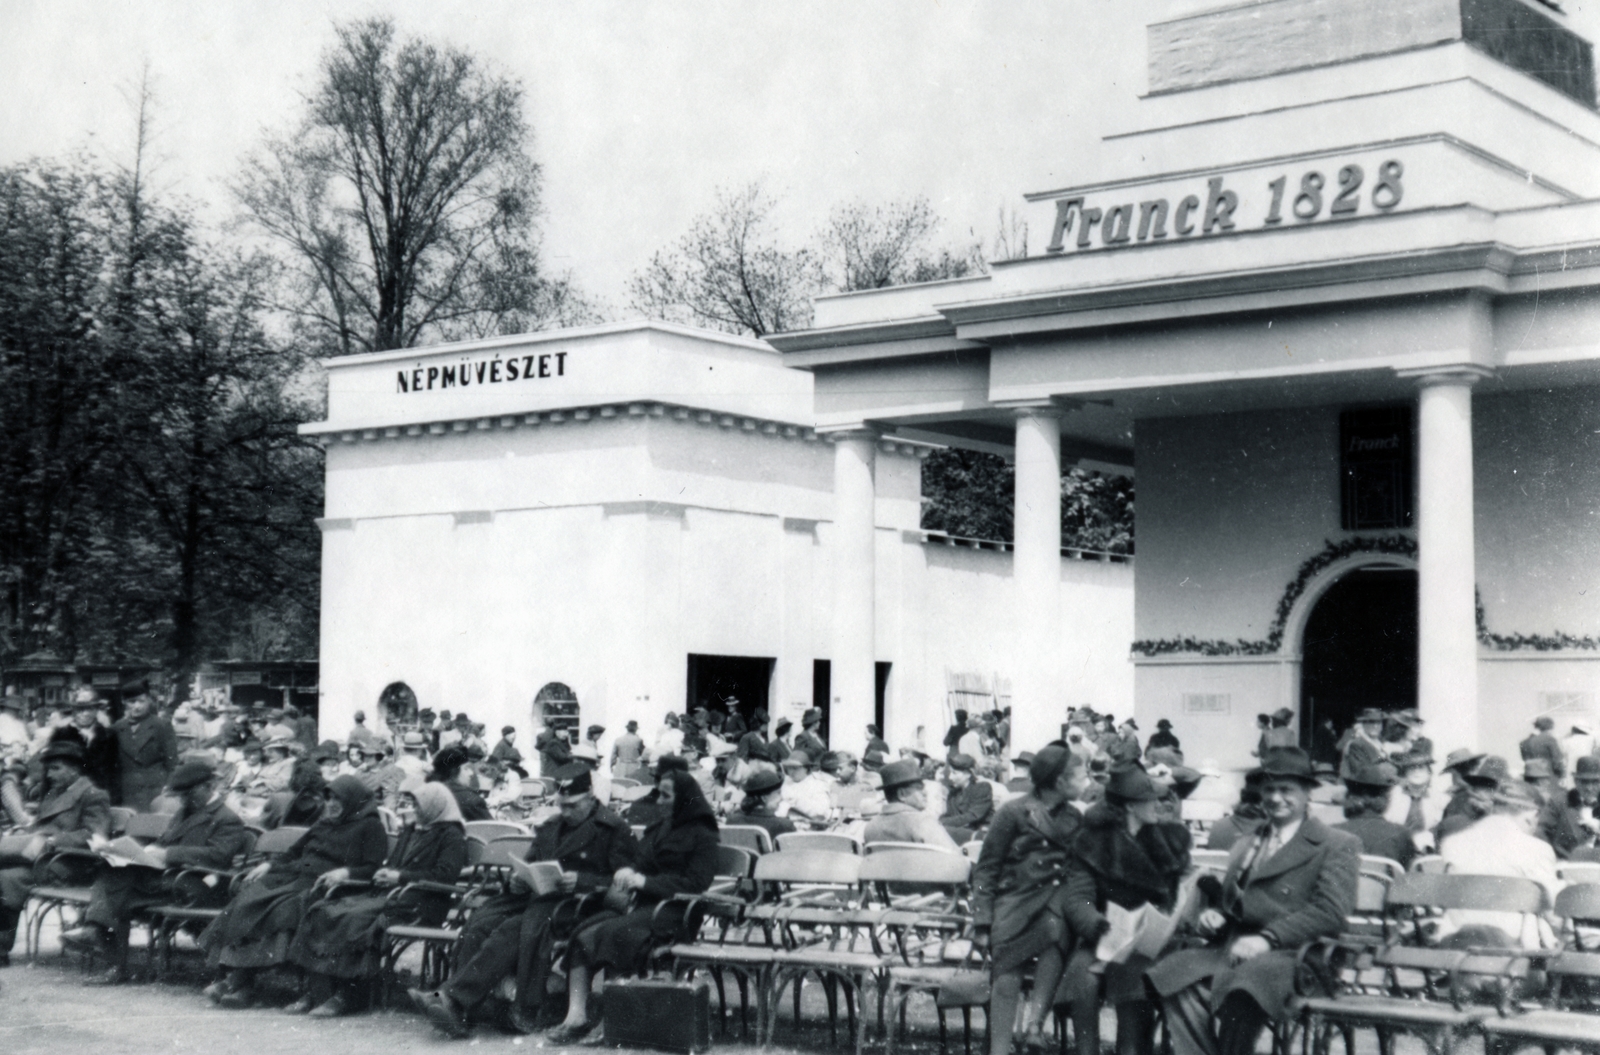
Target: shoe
447,1017
522,1020
5,959
238,999
421,998
114,976
88,938
301,1006
1032,1042
333,1007
565,1034
214,991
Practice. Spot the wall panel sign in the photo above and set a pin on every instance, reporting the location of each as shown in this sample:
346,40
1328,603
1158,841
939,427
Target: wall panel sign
1215,703
495,369
1336,190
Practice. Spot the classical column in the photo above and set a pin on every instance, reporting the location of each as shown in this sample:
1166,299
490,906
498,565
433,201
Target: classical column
853,671
1037,705
1447,634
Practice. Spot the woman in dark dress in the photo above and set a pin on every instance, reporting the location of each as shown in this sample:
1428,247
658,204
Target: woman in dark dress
1127,855
254,931
677,855
340,941
1019,888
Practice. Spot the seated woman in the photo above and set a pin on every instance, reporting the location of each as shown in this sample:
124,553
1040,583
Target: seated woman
678,855
254,931
340,941
1127,855
760,806
1019,892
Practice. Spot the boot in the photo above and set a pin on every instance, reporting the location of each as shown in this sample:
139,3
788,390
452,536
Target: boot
8,933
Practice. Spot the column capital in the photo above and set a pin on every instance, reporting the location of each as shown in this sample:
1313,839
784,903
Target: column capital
1053,407
1452,374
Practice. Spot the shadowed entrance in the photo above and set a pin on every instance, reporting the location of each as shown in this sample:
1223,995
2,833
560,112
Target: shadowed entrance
1359,650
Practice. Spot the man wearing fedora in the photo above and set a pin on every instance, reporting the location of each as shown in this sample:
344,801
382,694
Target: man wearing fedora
72,812
204,833
1365,748
147,748
99,743
1291,881
905,817
1571,820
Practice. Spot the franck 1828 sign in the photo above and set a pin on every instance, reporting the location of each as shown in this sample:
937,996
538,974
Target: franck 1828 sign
1341,192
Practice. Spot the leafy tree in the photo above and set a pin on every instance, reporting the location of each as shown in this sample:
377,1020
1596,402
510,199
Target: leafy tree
970,495
405,203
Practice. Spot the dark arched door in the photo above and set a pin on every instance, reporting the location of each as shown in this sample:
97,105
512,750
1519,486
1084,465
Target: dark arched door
1359,650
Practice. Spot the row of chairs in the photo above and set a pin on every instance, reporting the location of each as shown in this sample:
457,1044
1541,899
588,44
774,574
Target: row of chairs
758,840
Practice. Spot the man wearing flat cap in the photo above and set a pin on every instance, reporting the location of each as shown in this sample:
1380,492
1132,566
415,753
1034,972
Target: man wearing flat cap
203,834
147,748
511,932
1542,744
1289,882
970,805
72,812
1571,820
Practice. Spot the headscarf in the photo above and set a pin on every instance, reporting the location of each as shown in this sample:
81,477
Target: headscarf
356,798
689,803
436,805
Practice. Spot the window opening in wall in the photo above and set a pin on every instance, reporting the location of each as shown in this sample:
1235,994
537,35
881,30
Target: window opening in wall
1375,468
398,705
727,684
556,707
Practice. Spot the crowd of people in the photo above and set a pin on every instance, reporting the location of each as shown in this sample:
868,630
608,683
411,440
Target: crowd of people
1067,837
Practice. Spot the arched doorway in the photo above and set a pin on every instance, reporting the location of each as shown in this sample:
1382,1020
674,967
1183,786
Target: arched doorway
555,707
398,705
1358,650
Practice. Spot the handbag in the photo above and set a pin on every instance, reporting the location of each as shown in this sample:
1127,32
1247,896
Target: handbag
618,901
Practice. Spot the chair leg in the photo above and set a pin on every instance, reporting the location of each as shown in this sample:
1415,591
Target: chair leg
944,1039
966,1030
722,999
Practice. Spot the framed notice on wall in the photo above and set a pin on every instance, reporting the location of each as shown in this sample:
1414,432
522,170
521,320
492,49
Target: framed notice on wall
1375,468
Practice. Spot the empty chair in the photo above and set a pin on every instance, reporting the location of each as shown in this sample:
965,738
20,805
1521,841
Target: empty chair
1579,871
879,847
1569,1020
489,830
747,837
827,842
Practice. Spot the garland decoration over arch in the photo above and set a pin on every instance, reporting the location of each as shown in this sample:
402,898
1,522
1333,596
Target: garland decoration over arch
1330,554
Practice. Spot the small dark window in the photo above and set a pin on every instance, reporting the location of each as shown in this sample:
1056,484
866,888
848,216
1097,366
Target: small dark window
1375,468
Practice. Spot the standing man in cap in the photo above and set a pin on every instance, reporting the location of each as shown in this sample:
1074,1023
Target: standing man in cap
554,751
511,932
1570,821
1162,738
1365,748
905,817
970,805
1292,881
1542,745
505,752
809,739
1366,799
360,735
147,748
204,833
627,754
72,812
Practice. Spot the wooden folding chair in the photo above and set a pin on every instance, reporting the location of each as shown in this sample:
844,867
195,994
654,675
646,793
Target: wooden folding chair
1570,1018
751,837
489,831
825,842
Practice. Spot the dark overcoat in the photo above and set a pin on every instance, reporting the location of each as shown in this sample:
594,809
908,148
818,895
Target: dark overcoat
1561,823
147,753
1019,882
72,814
969,807
1381,838
1303,892
210,837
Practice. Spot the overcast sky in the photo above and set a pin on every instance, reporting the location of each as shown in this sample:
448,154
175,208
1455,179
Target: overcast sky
640,109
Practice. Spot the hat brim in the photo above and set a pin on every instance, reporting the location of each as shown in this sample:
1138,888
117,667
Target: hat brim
1310,780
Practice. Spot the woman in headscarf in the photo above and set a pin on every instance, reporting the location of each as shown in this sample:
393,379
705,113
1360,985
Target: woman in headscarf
254,931
1019,902
1126,855
340,942
678,855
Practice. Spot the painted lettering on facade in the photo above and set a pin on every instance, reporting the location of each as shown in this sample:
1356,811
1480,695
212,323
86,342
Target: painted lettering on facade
497,370
1222,208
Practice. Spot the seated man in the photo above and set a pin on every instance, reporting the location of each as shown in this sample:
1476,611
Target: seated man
72,812
1572,820
203,833
1501,843
905,818
762,791
1292,880
511,932
803,798
970,804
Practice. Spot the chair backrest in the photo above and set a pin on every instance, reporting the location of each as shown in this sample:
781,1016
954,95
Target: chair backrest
534,788
903,867
808,866
145,827
624,782
1372,893
734,862
475,850
120,815
1385,866
1213,860
276,841
1581,901
973,850
880,847
749,837
1460,891
498,851
1430,864
826,842
1579,871
491,830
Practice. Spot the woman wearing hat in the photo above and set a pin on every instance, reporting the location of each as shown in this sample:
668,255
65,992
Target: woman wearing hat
677,855
1128,856
1019,902
339,944
254,931
762,791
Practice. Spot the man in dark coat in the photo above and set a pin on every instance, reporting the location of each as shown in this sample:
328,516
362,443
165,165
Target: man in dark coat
808,740
554,751
510,932
505,752
1364,748
1366,799
970,804
733,726
1571,821
447,766
1543,745
204,833
147,748
1163,738
72,812
99,742
1292,881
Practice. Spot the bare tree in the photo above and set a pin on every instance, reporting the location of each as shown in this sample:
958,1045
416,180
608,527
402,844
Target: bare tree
406,201
1011,236
729,272
873,246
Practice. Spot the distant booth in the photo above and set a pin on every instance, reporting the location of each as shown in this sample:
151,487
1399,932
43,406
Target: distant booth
253,683
591,526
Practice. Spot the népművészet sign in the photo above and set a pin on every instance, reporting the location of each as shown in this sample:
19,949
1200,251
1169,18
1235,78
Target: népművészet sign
493,370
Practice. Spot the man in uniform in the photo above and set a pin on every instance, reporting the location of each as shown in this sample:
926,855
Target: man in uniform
808,740
147,748
72,812
1289,882
511,932
204,833
970,804
1571,821
1543,745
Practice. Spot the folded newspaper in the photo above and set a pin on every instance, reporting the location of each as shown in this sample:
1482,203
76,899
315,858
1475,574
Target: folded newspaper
1144,931
543,877
123,851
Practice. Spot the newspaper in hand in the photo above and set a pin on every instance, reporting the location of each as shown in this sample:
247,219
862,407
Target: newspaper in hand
123,851
1143,931
542,877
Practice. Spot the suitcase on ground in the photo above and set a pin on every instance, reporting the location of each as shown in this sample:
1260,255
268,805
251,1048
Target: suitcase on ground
657,1013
